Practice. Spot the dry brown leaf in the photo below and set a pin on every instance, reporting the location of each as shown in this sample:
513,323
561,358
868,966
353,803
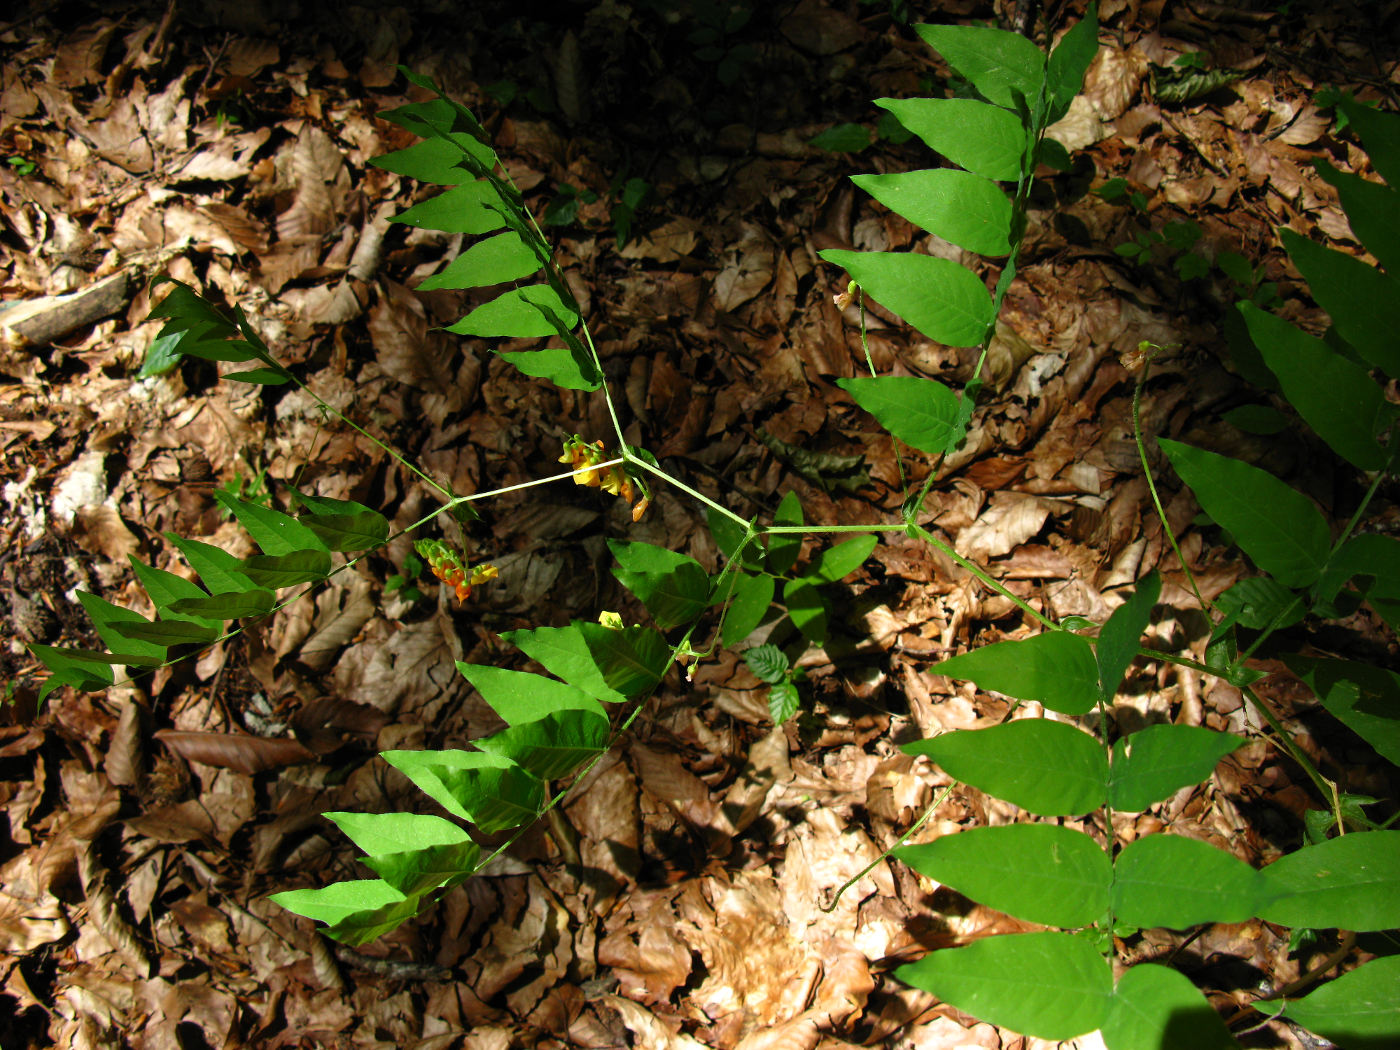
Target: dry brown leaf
820,29
240,752
1009,520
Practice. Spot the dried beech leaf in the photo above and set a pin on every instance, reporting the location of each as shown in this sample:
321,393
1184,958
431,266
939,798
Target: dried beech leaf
240,752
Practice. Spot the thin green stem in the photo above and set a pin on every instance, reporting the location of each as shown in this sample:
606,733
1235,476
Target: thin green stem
637,461
1152,486
985,578
1356,517
1323,785
938,801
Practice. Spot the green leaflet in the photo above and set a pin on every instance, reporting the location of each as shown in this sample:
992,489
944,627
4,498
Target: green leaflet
1151,765
1176,882
1364,303
473,208
496,260
414,853
516,314
1055,668
1117,644
436,161
982,138
287,570
922,413
1348,411
560,366
564,652
1049,985
232,606
488,789
220,570
937,296
553,746
1363,697
1037,872
1155,1007
965,209
844,558
1350,883
520,697
1372,210
1070,61
673,587
807,609
165,589
1005,67
1277,527
1380,135
1357,1010
784,548
81,668
104,616
729,534
273,531
753,595
354,912
1048,768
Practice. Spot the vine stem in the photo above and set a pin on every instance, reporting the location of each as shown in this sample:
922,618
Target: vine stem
1327,788
984,577
938,801
1152,485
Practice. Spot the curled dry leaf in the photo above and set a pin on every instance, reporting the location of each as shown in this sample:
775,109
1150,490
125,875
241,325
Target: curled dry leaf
237,751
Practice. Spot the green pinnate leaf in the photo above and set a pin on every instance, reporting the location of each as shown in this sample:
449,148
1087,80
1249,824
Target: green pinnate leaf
231,606
84,670
563,651
1380,135
944,301
1357,1010
1048,985
1069,61
1348,411
835,563
473,208
1364,303
1048,768
553,746
219,570
169,632
982,138
1372,210
806,608
488,789
514,314
673,587
1055,668
959,206
520,697
273,531
1277,527
1176,882
1363,697
496,260
287,570
355,912
1151,765
753,595
1350,883
922,413
104,616
1070,872
1004,67
1155,1006
784,547
631,660
1118,641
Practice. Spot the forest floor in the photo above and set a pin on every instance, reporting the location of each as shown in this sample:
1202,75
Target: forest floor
678,899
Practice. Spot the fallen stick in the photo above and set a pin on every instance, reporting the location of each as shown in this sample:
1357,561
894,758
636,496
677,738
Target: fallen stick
39,322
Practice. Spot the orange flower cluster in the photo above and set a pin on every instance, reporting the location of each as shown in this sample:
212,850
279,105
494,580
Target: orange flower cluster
449,567
582,456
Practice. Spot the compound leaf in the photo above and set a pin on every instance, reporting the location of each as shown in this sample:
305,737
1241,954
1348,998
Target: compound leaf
287,570
673,587
489,790
1176,882
1154,763
1001,65
273,531
516,314
355,912
496,260
520,697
